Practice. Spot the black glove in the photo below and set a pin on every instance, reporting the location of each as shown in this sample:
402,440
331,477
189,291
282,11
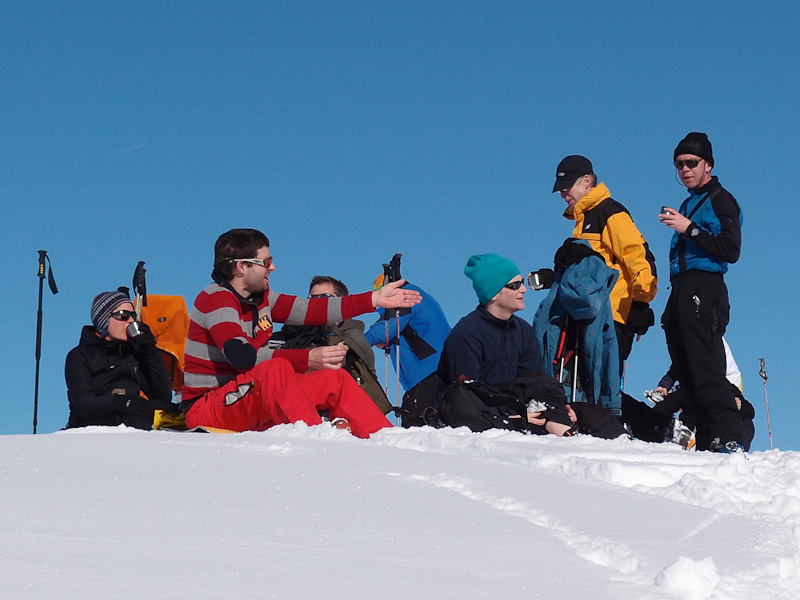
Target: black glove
640,318
545,277
131,405
144,341
168,407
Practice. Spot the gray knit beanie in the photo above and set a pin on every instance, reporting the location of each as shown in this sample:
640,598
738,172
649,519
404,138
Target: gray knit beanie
102,306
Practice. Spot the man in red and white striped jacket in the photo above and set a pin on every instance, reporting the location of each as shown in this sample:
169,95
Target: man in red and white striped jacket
235,380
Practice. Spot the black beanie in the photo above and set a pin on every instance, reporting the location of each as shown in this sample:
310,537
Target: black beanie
695,143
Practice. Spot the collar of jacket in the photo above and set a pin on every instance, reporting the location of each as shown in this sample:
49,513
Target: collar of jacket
704,189
595,196
254,299
90,337
499,323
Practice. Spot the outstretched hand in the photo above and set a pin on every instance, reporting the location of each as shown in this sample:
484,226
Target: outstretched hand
392,295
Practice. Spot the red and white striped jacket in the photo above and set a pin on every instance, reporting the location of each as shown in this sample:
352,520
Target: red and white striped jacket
220,315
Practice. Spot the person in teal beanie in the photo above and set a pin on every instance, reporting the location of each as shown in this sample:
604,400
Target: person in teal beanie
489,273
491,343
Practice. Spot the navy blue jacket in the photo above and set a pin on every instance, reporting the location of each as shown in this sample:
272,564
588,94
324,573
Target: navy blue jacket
720,239
485,348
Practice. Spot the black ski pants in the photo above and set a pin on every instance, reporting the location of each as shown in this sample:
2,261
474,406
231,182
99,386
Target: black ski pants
694,322
646,423
624,343
417,399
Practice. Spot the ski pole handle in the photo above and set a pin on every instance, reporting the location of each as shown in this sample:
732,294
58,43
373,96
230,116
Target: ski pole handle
42,258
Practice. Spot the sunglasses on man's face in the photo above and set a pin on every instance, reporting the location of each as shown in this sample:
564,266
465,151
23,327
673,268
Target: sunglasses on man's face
691,163
261,262
514,285
326,295
123,315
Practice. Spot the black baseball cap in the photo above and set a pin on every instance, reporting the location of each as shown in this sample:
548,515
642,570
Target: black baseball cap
570,169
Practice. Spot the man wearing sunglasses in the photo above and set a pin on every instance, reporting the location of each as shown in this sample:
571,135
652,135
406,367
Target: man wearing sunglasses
609,228
708,236
109,370
234,379
491,343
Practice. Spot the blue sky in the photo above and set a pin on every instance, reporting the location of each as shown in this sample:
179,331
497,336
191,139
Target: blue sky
349,131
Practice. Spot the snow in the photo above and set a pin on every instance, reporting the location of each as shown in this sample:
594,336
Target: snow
299,512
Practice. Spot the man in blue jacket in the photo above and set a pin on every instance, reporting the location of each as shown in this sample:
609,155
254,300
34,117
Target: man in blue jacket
708,236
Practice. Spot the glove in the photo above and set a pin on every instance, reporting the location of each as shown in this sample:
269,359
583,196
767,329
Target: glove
131,405
144,341
640,318
168,407
545,276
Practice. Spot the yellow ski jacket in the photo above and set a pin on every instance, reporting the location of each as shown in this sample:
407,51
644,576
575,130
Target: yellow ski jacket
609,228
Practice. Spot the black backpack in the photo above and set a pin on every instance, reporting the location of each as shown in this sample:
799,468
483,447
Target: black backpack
480,406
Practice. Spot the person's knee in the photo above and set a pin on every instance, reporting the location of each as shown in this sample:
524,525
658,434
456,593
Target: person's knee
334,377
272,368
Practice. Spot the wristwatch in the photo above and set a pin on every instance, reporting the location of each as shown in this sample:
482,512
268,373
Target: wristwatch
694,230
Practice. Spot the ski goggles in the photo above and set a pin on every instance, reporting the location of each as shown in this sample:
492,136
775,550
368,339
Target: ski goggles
514,285
691,163
123,315
261,262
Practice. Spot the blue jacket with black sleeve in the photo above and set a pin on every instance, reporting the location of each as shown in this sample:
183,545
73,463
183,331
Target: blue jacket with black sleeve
714,238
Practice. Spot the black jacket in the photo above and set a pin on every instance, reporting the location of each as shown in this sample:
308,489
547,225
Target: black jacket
100,372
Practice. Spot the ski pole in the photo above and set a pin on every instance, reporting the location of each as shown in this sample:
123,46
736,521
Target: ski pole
386,357
763,373
397,360
575,365
559,359
139,289
53,288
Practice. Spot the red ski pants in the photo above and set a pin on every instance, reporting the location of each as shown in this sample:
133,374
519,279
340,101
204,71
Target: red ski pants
272,393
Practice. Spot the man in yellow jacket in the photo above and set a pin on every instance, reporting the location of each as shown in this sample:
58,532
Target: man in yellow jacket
609,228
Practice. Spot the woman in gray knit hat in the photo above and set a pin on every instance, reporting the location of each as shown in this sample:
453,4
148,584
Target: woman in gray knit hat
113,379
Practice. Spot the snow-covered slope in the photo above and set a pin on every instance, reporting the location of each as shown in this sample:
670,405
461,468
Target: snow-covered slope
300,512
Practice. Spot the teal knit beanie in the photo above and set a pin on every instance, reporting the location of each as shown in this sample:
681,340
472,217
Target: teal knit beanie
489,273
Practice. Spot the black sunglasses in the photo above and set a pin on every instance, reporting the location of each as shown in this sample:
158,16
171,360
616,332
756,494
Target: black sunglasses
514,285
123,315
691,163
326,295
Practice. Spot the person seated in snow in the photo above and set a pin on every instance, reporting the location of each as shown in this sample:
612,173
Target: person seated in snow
359,360
235,380
422,334
113,378
494,346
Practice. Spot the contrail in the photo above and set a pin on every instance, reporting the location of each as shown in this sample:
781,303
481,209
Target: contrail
128,149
